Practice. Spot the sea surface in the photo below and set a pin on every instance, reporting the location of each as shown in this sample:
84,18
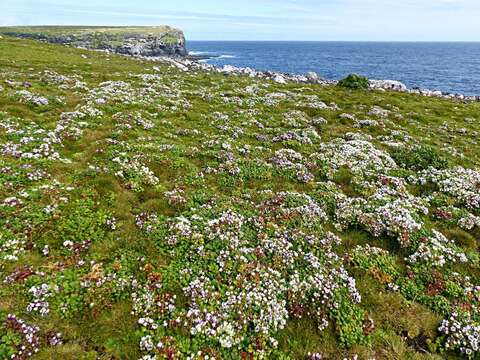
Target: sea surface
450,67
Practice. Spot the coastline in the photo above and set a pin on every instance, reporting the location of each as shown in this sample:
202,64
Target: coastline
152,49
197,63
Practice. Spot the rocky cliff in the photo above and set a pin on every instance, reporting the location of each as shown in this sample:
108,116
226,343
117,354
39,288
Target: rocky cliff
135,41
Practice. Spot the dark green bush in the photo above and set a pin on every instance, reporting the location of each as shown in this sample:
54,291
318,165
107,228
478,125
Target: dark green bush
354,82
419,158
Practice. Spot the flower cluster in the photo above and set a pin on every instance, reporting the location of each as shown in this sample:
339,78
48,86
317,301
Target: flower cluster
291,160
40,296
437,250
176,197
133,171
360,156
300,136
291,205
469,221
30,341
460,183
390,209
261,188
241,288
27,97
113,91
462,333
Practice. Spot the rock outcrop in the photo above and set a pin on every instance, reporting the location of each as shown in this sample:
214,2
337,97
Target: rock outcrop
152,45
134,41
388,85
189,64
164,43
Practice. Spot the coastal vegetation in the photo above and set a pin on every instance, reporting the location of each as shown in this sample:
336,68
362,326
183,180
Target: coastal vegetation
135,40
149,212
354,82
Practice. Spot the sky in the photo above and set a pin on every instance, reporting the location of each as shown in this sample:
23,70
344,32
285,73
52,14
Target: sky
307,20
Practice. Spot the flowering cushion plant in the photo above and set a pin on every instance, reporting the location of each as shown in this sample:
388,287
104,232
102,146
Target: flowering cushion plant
152,212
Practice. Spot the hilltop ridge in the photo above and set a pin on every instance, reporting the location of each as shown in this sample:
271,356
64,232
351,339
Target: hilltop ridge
129,40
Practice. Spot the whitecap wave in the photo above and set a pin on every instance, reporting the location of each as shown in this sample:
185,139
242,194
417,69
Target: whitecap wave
193,53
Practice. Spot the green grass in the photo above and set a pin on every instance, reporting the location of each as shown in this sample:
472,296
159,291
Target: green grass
97,36
204,126
82,30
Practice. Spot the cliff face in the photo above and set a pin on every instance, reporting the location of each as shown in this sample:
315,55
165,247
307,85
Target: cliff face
135,41
153,46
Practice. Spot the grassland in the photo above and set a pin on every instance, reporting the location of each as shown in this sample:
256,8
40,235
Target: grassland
95,37
151,213
81,30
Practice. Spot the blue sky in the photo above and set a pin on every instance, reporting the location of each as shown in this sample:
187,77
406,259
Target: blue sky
371,20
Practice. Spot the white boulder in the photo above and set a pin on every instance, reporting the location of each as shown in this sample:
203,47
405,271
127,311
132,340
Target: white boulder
388,85
279,79
312,77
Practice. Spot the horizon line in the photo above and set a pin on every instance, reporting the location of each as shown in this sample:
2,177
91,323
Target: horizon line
358,41
257,40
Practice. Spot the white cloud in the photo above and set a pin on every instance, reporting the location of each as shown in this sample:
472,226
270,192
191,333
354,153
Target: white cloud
267,19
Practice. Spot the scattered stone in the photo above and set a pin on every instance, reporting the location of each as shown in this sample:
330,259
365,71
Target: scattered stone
279,79
312,77
347,116
388,85
168,45
366,123
12,83
379,112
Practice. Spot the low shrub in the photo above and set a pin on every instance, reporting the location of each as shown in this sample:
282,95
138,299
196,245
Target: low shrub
419,158
354,82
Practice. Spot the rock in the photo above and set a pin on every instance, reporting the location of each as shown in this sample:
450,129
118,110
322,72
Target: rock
312,77
179,65
192,64
250,72
228,69
11,83
279,79
319,121
366,123
152,46
388,85
379,112
347,116
300,78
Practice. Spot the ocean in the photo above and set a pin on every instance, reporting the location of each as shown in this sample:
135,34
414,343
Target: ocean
450,67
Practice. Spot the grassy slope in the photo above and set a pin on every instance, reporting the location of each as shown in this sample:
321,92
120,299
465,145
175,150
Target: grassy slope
99,323
111,35
61,30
